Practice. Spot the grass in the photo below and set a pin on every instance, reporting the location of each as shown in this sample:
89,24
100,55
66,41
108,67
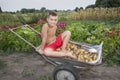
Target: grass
19,60
43,78
26,72
2,64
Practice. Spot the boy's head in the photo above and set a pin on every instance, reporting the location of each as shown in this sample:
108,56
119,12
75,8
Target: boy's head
52,18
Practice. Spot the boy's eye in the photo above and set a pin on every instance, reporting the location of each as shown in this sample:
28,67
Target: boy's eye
55,19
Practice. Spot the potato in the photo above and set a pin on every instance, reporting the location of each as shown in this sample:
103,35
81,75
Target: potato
77,52
82,55
94,57
90,60
58,49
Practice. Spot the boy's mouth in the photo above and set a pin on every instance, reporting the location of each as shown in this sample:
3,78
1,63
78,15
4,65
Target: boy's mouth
52,24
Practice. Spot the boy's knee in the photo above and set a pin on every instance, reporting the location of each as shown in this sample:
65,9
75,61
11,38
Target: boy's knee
68,33
47,52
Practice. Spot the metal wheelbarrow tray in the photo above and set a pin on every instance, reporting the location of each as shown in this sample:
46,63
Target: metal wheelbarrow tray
66,64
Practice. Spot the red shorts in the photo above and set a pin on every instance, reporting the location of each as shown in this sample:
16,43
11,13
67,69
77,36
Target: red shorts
58,43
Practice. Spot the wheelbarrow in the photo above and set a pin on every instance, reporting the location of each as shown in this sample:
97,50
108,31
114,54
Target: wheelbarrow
65,68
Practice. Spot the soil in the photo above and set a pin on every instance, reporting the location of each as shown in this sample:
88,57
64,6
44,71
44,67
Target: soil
22,66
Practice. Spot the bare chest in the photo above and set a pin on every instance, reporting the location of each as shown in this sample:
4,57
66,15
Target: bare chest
51,31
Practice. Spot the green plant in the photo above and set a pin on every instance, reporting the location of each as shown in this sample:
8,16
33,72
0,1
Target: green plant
43,78
9,19
10,42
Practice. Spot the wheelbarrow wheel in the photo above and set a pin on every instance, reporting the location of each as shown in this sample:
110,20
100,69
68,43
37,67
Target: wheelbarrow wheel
65,72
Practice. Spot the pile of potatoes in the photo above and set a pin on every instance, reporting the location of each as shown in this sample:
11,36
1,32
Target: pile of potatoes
81,54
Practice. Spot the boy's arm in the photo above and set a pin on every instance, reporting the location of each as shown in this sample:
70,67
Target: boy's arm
44,36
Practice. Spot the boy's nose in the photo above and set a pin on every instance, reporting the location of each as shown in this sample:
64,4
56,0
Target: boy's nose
54,22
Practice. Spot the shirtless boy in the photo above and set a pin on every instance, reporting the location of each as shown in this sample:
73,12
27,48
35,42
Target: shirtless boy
50,42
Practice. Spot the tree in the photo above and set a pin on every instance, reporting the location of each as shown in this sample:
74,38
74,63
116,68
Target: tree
0,10
90,6
55,10
81,8
24,10
43,9
68,10
107,3
76,9
31,10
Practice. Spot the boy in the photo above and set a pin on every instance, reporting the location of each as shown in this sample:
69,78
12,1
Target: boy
50,42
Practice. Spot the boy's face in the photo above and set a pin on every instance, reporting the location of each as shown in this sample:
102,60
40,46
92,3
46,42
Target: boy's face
52,20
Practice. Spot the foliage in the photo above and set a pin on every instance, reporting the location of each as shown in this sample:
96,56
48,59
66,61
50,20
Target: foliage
0,10
85,32
8,19
11,42
107,3
24,10
33,10
90,6
76,9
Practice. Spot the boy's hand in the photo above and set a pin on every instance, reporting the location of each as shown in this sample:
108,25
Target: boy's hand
41,51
